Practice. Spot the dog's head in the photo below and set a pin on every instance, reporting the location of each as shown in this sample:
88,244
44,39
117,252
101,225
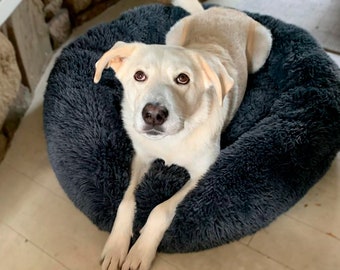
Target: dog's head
166,89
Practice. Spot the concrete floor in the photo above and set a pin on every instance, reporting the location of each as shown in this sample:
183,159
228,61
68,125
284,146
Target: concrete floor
41,229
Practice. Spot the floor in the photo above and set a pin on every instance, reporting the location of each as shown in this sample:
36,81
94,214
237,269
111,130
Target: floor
41,229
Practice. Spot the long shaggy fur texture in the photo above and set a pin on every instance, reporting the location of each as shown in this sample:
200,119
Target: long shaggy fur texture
280,143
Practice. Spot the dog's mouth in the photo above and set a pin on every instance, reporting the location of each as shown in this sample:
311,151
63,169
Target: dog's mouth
153,132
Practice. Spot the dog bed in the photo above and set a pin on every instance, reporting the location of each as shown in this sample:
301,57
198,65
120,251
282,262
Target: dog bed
280,143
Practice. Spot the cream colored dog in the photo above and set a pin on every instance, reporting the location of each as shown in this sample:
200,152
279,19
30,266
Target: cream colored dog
178,98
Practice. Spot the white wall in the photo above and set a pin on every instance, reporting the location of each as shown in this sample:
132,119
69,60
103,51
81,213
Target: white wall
6,9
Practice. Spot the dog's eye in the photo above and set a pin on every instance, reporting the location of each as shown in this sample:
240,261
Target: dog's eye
182,79
140,76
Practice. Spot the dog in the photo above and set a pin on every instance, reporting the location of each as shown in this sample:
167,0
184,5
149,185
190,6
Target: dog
178,98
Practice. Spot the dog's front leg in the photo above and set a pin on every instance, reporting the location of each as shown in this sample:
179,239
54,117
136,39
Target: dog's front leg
117,245
144,250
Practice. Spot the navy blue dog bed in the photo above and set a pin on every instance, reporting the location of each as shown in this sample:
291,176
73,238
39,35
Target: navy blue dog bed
281,141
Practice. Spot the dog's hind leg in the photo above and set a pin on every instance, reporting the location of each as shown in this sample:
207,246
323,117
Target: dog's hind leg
117,245
191,6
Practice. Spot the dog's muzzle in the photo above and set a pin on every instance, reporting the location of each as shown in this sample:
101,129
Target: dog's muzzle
154,116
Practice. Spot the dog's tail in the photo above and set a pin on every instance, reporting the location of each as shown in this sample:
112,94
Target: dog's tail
191,6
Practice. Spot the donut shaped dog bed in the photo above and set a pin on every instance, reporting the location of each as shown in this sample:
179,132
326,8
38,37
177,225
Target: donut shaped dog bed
282,140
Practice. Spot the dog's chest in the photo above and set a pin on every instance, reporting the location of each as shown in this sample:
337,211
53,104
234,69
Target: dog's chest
191,156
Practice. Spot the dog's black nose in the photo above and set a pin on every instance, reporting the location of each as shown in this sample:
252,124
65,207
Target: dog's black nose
154,114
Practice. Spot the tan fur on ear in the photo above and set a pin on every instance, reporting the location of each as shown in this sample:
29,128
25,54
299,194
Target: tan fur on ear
217,77
259,43
113,58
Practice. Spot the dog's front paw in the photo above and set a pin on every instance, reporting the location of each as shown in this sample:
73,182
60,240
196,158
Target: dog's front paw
140,256
114,253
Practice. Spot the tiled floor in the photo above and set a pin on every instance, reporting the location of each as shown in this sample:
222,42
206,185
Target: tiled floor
41,229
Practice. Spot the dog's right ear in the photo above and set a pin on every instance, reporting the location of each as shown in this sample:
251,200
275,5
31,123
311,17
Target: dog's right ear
114,58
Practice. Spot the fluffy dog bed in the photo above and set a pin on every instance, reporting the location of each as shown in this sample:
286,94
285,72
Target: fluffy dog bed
281,142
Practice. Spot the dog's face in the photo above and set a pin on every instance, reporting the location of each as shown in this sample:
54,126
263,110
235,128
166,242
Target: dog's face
165,88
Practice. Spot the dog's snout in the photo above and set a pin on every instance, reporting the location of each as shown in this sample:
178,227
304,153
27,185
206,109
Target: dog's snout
154,114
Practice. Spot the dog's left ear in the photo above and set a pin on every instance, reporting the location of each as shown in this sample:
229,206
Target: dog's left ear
216,77
114,58
259,44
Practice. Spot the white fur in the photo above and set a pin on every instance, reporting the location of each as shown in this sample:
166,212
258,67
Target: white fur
216,49
190,6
